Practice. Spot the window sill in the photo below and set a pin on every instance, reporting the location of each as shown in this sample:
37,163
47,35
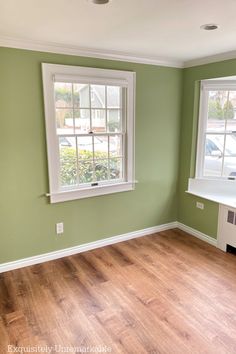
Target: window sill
222,192
91,192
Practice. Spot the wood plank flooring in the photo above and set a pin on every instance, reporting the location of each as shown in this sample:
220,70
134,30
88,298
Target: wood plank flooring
165,293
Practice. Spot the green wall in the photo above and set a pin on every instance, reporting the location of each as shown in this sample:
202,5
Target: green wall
27,219
202,220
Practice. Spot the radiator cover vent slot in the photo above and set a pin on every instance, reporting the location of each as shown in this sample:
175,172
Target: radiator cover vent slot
230,217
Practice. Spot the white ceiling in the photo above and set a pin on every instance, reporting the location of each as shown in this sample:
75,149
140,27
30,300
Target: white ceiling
167,30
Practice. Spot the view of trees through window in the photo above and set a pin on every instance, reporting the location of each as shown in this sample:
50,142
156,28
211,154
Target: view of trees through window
221,105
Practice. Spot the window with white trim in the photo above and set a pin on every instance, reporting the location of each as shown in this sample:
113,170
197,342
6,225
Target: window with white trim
89,116
216,149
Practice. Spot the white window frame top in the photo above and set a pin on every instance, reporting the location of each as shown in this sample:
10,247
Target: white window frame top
206,86
77,74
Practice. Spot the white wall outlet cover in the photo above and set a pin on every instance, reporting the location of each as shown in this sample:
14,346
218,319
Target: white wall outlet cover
200,205
59,228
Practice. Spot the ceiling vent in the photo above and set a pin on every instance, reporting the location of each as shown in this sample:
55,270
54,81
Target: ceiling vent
100,2
209,27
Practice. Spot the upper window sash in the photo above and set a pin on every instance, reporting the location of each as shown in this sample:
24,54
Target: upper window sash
218,85
80,79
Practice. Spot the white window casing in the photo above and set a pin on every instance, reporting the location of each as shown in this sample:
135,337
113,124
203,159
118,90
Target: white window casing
219,188
206,86
74,74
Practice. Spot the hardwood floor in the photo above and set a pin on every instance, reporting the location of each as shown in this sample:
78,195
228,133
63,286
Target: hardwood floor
165,293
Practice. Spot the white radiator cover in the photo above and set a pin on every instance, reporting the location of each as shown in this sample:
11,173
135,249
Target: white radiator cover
226,227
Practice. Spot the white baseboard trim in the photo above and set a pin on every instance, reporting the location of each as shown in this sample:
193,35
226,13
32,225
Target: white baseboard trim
212,241
4,267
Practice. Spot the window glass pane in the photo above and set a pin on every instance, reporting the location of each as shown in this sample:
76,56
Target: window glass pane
230,145
213,155
85,148
217,103
67,141
113,96
97,96
64,121
68,161
101,170
116,168
98,120
230,156
115,146
81,95
231,112
85,171
114,120
229,167
82,121
100,147
63,94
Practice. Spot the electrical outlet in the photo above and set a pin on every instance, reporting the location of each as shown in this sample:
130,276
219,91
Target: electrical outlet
200,205
59,228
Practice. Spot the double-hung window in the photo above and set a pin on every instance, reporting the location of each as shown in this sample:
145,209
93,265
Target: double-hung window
216,152
90,130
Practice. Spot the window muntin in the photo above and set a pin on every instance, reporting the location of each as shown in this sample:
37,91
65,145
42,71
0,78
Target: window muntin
92,137
90,130
216,156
